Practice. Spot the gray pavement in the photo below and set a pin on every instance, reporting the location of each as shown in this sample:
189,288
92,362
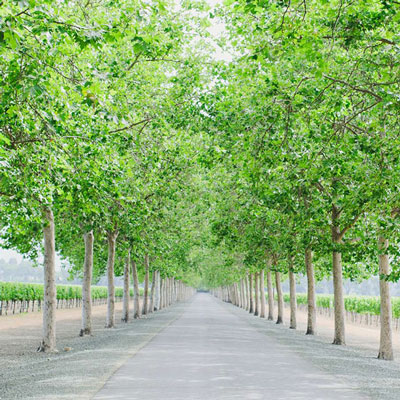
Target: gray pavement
210,353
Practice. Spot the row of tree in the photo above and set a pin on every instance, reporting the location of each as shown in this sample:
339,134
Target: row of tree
307,126
94,144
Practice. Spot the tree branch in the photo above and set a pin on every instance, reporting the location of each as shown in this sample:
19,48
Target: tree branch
144,121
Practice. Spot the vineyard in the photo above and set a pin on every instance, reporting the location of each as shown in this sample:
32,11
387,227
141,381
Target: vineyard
363,305
25,297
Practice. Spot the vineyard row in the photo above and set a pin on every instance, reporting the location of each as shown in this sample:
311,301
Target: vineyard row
27,297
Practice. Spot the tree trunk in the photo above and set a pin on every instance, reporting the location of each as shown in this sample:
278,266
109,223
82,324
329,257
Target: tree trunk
248,292
166,299
293,300
162,283
50,296
256,294
238,297
136,292
270,293
152,291
311,299
111,238
386,345
251,310
339,337
157,292
243,292
246,288
126,299
262,294
280,297
86,285
338,299
146,285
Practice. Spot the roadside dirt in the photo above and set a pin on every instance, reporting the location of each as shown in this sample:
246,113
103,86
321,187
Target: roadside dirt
357,335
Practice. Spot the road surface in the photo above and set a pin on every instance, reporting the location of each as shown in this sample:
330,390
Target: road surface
210,353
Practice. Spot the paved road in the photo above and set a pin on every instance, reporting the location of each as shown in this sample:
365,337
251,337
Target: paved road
209,354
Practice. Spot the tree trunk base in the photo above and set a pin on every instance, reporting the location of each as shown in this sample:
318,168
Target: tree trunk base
270,318
85,332
388,355
292,327
310,331
338,342
126,319
109,326
43,348
279,321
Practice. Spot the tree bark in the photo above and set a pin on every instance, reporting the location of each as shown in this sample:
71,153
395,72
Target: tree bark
50,296
146,285
86,285
246,283
262,295
152,291
157,292
136,292
339,337
111,238
126,299
386,344
256,294
293,300
251,294
311,299
162,283
248,292
280,297
270,293
243,292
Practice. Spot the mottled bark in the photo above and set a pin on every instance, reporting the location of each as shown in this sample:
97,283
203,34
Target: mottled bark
337,273
251,294
280,297
262,295
270,293
136,292
146,286
111,239
126,298
311,299
293,300
86,328
152,291
386,343
256,294
48,343
243,292
248,292
157,291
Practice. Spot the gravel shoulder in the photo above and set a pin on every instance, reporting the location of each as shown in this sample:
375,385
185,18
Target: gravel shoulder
355,364
79,373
